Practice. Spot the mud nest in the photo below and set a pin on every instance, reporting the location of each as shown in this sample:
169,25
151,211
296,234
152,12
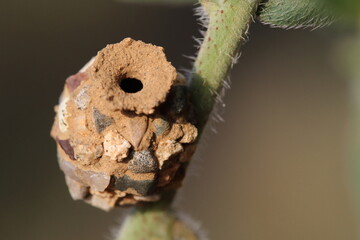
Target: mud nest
124,127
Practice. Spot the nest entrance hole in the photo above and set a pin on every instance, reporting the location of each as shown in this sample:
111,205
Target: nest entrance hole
131,85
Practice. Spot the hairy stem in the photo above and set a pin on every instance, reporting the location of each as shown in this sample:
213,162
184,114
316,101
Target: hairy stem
155,223
227,28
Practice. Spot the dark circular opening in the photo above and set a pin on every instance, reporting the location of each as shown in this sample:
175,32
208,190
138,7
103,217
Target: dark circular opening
131,85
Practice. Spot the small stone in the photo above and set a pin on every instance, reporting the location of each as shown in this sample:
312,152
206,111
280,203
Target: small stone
176,132
142,187
166,150
137,126
74,81
87,153
127,201
106,200
66,146
143,162
190,133
98,181
101,121
63,115
115,146
179,98
105,204
161,126
150,198
82,100
77,190
68,168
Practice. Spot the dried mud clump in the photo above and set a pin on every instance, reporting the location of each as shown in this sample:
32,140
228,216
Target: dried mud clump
123,127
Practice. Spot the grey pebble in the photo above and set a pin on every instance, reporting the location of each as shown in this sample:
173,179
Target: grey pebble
143,162
161,126
143,187
179,100
101,121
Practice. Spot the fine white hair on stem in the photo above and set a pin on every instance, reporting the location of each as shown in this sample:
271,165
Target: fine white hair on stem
202,16
192,58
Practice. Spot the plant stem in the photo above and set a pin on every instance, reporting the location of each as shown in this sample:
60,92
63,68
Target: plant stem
155,223
228,24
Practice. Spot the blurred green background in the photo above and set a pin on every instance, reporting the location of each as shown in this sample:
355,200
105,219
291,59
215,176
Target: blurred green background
277,169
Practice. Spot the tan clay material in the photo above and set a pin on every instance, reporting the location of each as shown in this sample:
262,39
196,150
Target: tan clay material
122,129
133,59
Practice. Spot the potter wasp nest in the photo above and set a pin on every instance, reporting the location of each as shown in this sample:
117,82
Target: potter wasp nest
123,127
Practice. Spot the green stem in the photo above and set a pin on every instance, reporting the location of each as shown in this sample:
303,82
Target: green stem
228,24
155,223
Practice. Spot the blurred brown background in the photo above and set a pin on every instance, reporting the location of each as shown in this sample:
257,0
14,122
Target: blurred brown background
276,170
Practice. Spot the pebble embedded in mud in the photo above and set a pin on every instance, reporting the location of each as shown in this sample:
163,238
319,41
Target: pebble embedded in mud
176,132
63,114
98,181
66,146
115,146
166,150
142,187
88,153
136,128
74,81
190,133
82,99
179,99
150,198
103,203
143,162
101,121
161,126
